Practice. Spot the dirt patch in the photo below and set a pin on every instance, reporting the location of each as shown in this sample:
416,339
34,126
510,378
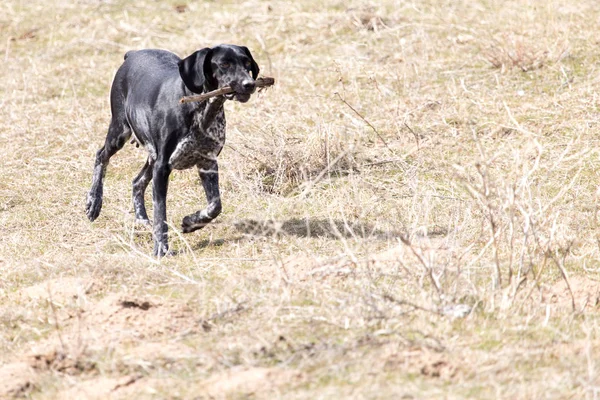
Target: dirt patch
158,354
75,344
115,320
153,350
419,362
71,364
125,318
119,317
60,290
237,381
16,380
586,294
248,381
100,388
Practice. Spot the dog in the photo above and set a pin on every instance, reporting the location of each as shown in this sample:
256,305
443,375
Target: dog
144,101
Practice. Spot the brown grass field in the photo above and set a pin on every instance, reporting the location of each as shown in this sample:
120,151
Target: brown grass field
409,213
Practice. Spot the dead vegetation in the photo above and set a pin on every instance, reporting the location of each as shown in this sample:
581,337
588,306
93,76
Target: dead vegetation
410,212
526,54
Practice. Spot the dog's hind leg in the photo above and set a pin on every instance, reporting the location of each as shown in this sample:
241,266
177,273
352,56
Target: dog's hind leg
118,134
209,176
160,184
140,183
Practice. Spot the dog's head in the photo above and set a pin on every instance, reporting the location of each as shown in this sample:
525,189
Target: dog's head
223,65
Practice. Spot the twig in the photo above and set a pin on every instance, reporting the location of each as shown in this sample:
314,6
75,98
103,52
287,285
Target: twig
414,134
129,380
375,163
428,269
260,82
325,170
246,156
516,126
366,122
56,324
392,299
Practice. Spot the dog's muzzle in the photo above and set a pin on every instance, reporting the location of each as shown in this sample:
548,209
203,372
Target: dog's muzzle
242,91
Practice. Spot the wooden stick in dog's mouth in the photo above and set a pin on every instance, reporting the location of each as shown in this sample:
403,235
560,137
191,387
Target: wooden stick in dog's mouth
260,83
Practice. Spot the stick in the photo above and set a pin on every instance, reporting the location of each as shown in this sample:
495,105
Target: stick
260,82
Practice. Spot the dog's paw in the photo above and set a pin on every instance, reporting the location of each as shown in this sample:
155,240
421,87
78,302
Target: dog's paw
142,221
190,224
93,206
161,249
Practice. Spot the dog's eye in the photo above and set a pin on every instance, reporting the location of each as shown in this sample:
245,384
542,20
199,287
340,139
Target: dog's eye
224,65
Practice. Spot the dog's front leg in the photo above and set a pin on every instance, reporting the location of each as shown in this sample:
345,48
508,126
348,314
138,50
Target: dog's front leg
209,176
160,178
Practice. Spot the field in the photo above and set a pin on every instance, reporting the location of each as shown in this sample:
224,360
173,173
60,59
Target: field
411,212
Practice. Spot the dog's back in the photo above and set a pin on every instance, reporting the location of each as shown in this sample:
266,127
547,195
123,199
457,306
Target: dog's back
147,74
146,90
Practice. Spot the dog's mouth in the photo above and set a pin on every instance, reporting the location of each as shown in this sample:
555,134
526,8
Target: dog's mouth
241,97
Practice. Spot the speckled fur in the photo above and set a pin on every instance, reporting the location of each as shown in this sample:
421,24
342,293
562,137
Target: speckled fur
203,143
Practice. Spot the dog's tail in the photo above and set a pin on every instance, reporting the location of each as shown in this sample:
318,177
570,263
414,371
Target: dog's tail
130,52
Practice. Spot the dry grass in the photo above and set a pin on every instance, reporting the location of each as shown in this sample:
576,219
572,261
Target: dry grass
411,212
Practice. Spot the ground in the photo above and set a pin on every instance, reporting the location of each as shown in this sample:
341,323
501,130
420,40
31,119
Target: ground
410,212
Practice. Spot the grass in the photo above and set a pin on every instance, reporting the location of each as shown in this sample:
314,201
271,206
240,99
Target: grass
410,212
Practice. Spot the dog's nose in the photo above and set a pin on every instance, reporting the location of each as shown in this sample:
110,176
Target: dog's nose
249,85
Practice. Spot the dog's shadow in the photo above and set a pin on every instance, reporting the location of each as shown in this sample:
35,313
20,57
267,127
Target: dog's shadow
215,242
302,228
333,229
314,228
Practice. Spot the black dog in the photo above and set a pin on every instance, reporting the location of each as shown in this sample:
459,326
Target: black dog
145,101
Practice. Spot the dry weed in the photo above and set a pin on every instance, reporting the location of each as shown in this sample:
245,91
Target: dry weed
526,54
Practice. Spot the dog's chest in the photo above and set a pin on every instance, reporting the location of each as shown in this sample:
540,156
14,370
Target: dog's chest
200,147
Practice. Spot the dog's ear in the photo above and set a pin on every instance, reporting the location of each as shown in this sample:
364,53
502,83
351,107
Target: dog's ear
196,70
254,67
